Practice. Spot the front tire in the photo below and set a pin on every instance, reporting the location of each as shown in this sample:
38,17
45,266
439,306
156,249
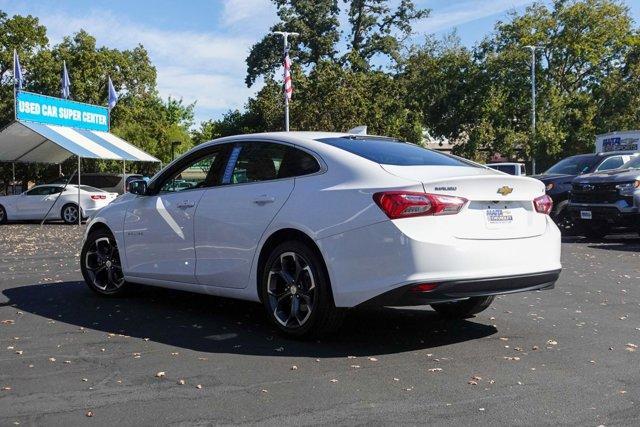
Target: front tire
3,215
463,309
69,214
100,265
296,292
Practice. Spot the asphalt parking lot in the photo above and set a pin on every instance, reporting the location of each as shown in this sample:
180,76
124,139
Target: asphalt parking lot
567,355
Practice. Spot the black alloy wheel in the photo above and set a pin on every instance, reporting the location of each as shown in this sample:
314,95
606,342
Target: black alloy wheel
296,292
101,266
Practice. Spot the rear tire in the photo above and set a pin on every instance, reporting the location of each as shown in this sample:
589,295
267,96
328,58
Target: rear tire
3,215
463,309
100,265
69,214
296,292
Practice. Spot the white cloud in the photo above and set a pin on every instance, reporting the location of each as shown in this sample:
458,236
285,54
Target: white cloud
258,14
222,91
462,12
204,66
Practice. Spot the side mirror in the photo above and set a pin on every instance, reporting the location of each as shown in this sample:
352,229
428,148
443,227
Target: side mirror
139,187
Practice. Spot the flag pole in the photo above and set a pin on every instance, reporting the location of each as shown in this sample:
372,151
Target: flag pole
16,81
285,35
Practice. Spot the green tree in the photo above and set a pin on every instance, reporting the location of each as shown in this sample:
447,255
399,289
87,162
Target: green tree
376,29
316,21
584,46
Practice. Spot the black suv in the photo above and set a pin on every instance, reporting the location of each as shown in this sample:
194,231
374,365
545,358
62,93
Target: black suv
558,179
605,202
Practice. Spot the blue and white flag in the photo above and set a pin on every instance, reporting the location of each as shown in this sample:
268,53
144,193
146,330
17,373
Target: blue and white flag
65,82
18,78
112,95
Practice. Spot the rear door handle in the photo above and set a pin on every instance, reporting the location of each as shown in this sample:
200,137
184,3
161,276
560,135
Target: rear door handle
186,204
263,200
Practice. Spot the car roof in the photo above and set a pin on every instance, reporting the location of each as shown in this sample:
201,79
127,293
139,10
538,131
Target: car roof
614,153
305,139
505,164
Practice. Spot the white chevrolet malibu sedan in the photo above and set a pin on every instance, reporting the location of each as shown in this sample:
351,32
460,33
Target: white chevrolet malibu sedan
54,201
310,224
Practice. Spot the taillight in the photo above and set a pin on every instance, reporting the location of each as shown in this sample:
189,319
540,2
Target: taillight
424,287
543,204
98,197
404,204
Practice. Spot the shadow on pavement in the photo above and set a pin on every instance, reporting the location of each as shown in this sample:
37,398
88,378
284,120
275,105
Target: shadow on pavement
220,325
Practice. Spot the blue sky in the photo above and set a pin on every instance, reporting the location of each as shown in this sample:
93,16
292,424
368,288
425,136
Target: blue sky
199,46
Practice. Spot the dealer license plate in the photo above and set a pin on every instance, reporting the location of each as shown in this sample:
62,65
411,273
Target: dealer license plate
586,215
499,216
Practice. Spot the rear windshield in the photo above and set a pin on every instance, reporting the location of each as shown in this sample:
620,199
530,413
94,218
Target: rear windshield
393,152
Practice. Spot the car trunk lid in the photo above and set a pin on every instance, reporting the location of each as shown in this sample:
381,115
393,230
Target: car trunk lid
500,206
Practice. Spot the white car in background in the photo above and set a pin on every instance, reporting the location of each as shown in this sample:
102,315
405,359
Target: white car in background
55,201
310,224
518,169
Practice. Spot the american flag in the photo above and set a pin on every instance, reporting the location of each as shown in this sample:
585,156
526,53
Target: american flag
288,85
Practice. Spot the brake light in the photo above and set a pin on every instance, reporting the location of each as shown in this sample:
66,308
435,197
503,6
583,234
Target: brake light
424,287
543,204
404,204
98,197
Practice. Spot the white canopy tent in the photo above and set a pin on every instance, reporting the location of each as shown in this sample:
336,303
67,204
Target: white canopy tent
30,142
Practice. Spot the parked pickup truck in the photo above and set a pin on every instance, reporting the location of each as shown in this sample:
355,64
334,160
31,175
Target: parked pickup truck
604,202
558,179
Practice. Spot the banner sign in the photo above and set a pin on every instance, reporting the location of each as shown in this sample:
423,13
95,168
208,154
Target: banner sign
62,112
620,144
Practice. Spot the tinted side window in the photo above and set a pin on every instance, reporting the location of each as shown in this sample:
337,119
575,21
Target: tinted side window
256,161
611,163
39,191
297,163
197,173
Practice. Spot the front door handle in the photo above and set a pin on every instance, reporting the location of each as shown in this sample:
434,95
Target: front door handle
263,200
186,204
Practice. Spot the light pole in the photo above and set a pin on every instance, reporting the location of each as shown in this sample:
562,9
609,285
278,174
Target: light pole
533,104
285,36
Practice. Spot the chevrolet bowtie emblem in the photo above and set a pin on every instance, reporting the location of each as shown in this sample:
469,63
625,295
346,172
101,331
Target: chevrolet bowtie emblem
504,190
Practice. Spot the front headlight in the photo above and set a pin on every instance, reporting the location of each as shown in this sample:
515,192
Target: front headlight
627,189
549,187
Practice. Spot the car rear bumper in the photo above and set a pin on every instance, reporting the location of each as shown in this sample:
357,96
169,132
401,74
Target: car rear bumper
374,260
611,215
461,289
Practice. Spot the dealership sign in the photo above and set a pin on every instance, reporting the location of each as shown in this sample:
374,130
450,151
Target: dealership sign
57,111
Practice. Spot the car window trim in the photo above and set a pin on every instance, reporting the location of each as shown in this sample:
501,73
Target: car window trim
156,184
321,164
